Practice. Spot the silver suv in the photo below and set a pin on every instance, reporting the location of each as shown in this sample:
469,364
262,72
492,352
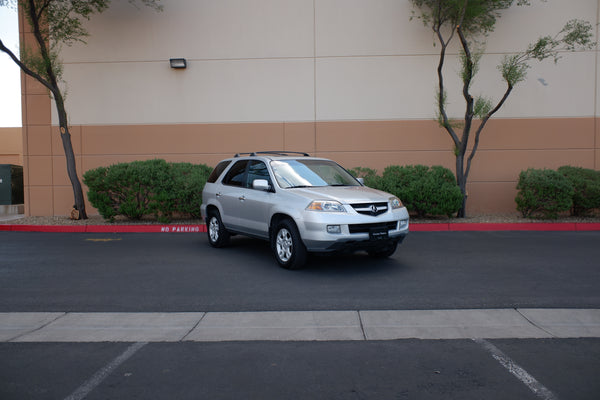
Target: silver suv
300,204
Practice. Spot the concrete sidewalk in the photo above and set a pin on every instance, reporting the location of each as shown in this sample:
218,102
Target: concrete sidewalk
299,325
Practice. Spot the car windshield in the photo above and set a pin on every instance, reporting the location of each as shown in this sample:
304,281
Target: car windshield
306,173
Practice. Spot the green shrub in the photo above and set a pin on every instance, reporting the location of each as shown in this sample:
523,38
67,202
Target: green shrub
586,186
143,188
424,190
543,192
369,176
189,180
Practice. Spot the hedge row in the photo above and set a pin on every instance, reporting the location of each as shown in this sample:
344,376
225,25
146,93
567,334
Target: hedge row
547,193
423,190
145,188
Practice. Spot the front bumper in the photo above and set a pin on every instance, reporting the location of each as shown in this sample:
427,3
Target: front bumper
355,232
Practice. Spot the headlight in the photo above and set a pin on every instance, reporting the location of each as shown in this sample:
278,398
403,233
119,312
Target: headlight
326,205
395,203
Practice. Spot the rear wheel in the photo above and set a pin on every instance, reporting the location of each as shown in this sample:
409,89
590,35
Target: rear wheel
217,234
287,245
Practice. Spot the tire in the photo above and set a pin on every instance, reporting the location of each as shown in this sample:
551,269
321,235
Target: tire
217,234
384,252
287,245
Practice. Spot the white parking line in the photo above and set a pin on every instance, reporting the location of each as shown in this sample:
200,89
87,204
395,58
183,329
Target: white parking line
536,387
99,376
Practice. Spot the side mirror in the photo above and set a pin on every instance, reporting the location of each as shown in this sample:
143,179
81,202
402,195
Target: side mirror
261,184
361,181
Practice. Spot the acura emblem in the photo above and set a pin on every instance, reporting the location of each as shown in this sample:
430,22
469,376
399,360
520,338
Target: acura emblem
374,209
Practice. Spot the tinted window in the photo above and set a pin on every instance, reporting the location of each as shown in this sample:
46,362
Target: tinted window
214,175
257,170
236,174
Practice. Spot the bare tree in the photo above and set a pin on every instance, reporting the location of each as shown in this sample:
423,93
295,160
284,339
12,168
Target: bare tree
470,22
56,23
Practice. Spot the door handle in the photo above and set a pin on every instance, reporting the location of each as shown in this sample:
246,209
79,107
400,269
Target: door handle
242,198
218,194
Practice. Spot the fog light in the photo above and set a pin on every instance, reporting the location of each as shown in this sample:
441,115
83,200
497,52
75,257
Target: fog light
334,229
403,223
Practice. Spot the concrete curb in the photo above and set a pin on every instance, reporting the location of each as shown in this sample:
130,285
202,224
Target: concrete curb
414,227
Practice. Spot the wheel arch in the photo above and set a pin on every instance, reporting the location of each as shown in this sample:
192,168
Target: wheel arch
212,207
277,218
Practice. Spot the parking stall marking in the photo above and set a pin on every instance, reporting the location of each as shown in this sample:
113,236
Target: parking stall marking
82,391
533,384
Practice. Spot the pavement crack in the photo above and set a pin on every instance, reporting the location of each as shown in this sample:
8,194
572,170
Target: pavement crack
193,328
362,327
534,324
61,315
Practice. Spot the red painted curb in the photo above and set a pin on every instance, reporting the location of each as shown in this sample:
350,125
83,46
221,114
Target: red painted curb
429,227
106,228
518,226
418,227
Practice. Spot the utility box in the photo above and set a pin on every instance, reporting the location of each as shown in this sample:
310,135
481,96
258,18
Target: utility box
11,184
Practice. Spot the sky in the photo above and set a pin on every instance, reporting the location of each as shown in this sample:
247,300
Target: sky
10,80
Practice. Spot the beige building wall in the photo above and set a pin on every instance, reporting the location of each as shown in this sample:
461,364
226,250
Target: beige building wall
11,146
352,80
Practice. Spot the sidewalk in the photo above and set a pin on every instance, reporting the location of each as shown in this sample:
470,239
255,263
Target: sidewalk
299,325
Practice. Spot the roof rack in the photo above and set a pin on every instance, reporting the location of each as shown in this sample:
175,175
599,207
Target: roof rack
273,153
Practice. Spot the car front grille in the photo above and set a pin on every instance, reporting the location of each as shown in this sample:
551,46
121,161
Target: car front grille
373,209
366,228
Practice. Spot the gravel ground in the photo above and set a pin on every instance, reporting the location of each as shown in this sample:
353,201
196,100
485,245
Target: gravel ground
98,220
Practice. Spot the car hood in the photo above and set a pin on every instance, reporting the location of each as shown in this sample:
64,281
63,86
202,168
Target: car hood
343,194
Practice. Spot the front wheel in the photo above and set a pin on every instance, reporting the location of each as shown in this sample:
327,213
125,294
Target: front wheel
287,245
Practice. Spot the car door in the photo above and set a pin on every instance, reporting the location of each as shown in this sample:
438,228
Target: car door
255,204
231,195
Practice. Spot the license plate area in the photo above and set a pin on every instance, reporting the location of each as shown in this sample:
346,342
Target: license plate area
376,234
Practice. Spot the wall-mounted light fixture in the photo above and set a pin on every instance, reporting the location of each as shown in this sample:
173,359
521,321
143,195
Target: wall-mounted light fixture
178,63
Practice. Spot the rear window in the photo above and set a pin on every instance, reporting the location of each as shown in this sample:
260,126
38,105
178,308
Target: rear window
218,171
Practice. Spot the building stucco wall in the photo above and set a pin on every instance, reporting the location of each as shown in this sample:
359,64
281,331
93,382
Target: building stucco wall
352,80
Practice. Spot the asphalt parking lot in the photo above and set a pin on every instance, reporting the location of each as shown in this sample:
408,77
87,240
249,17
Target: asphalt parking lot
75,272
442,274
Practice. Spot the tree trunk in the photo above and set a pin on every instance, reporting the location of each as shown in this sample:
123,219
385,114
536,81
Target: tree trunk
65,135
461,180
72,172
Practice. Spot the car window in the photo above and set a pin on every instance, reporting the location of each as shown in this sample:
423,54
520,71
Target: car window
214,175
236,174
257,170
302,173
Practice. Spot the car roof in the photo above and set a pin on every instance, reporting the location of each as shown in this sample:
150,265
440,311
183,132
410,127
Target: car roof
276,155
273,153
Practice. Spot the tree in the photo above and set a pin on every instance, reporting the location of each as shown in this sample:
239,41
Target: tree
55,23
470,22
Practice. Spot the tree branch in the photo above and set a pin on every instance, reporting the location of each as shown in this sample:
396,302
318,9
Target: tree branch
441,98
468,71
42,9
34,19
24,67
483,123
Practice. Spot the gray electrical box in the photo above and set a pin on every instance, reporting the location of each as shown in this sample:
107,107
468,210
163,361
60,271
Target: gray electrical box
11,184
